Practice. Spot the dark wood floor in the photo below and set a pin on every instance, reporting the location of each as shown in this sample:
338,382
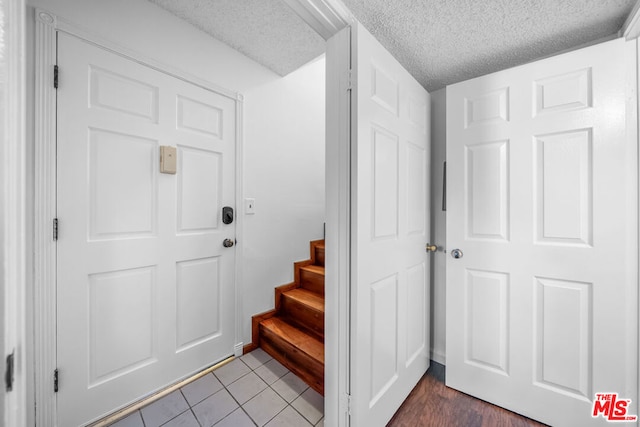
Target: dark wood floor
431,403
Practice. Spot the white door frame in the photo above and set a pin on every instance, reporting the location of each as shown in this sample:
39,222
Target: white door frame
43,306
13,217
338,230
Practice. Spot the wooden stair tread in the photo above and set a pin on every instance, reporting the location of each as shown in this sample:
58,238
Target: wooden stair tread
302,341
317,269
306,297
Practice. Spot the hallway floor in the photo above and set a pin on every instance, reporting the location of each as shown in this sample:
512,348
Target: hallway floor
256,390
253,390
432,404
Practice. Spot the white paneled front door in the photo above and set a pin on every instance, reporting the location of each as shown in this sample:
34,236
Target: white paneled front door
390,270
542,194
145,288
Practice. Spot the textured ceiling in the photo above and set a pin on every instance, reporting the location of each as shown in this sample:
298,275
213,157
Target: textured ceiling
447,41
267,31
439,41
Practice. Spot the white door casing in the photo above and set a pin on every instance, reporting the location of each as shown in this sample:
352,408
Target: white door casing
541,199
390,269
15,277
338,200
146,290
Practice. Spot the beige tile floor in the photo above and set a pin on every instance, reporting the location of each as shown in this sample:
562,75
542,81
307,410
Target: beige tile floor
253,390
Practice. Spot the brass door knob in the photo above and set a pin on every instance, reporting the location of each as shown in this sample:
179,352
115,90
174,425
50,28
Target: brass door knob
431,248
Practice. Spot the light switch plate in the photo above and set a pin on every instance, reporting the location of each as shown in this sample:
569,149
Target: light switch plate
168,159
249,206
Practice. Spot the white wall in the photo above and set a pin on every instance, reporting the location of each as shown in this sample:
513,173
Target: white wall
144,27
283,130
438,224
284,172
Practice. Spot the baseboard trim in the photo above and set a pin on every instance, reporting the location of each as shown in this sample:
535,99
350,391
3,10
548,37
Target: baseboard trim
438,357
238,349
249,348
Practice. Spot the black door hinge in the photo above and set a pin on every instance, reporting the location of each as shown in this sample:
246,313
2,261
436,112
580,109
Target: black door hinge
55,77
8,373
55,381
55,229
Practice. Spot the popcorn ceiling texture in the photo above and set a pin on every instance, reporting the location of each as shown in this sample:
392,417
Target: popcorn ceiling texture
441,42
267,31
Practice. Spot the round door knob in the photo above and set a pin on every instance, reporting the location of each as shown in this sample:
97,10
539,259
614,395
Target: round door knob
431,248
228,243
456,253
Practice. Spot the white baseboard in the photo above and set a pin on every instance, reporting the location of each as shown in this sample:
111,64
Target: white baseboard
439,357
237,349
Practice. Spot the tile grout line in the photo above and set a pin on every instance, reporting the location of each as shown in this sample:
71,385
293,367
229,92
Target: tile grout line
287,402
268,386
261,364
191,407
234,398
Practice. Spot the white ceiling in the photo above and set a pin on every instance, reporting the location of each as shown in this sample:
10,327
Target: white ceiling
439,41
447,41
267,31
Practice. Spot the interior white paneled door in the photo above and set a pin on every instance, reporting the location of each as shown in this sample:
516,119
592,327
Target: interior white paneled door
390,270
542,193
145,287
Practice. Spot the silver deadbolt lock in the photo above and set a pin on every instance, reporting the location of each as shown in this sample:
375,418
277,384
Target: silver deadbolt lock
456,253
227,243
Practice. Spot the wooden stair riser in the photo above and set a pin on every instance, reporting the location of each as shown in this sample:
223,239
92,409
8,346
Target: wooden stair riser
293,332
307,368
319,255
303,316
312,280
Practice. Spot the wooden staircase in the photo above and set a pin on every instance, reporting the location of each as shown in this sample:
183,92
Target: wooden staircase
293,332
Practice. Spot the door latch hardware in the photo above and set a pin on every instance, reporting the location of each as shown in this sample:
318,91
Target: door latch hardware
8,373
227,243
227,215
456,253
55,76
431,248
56,229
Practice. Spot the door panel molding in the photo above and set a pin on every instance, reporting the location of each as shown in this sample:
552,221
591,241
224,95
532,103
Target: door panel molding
43,305
389,265
572,252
